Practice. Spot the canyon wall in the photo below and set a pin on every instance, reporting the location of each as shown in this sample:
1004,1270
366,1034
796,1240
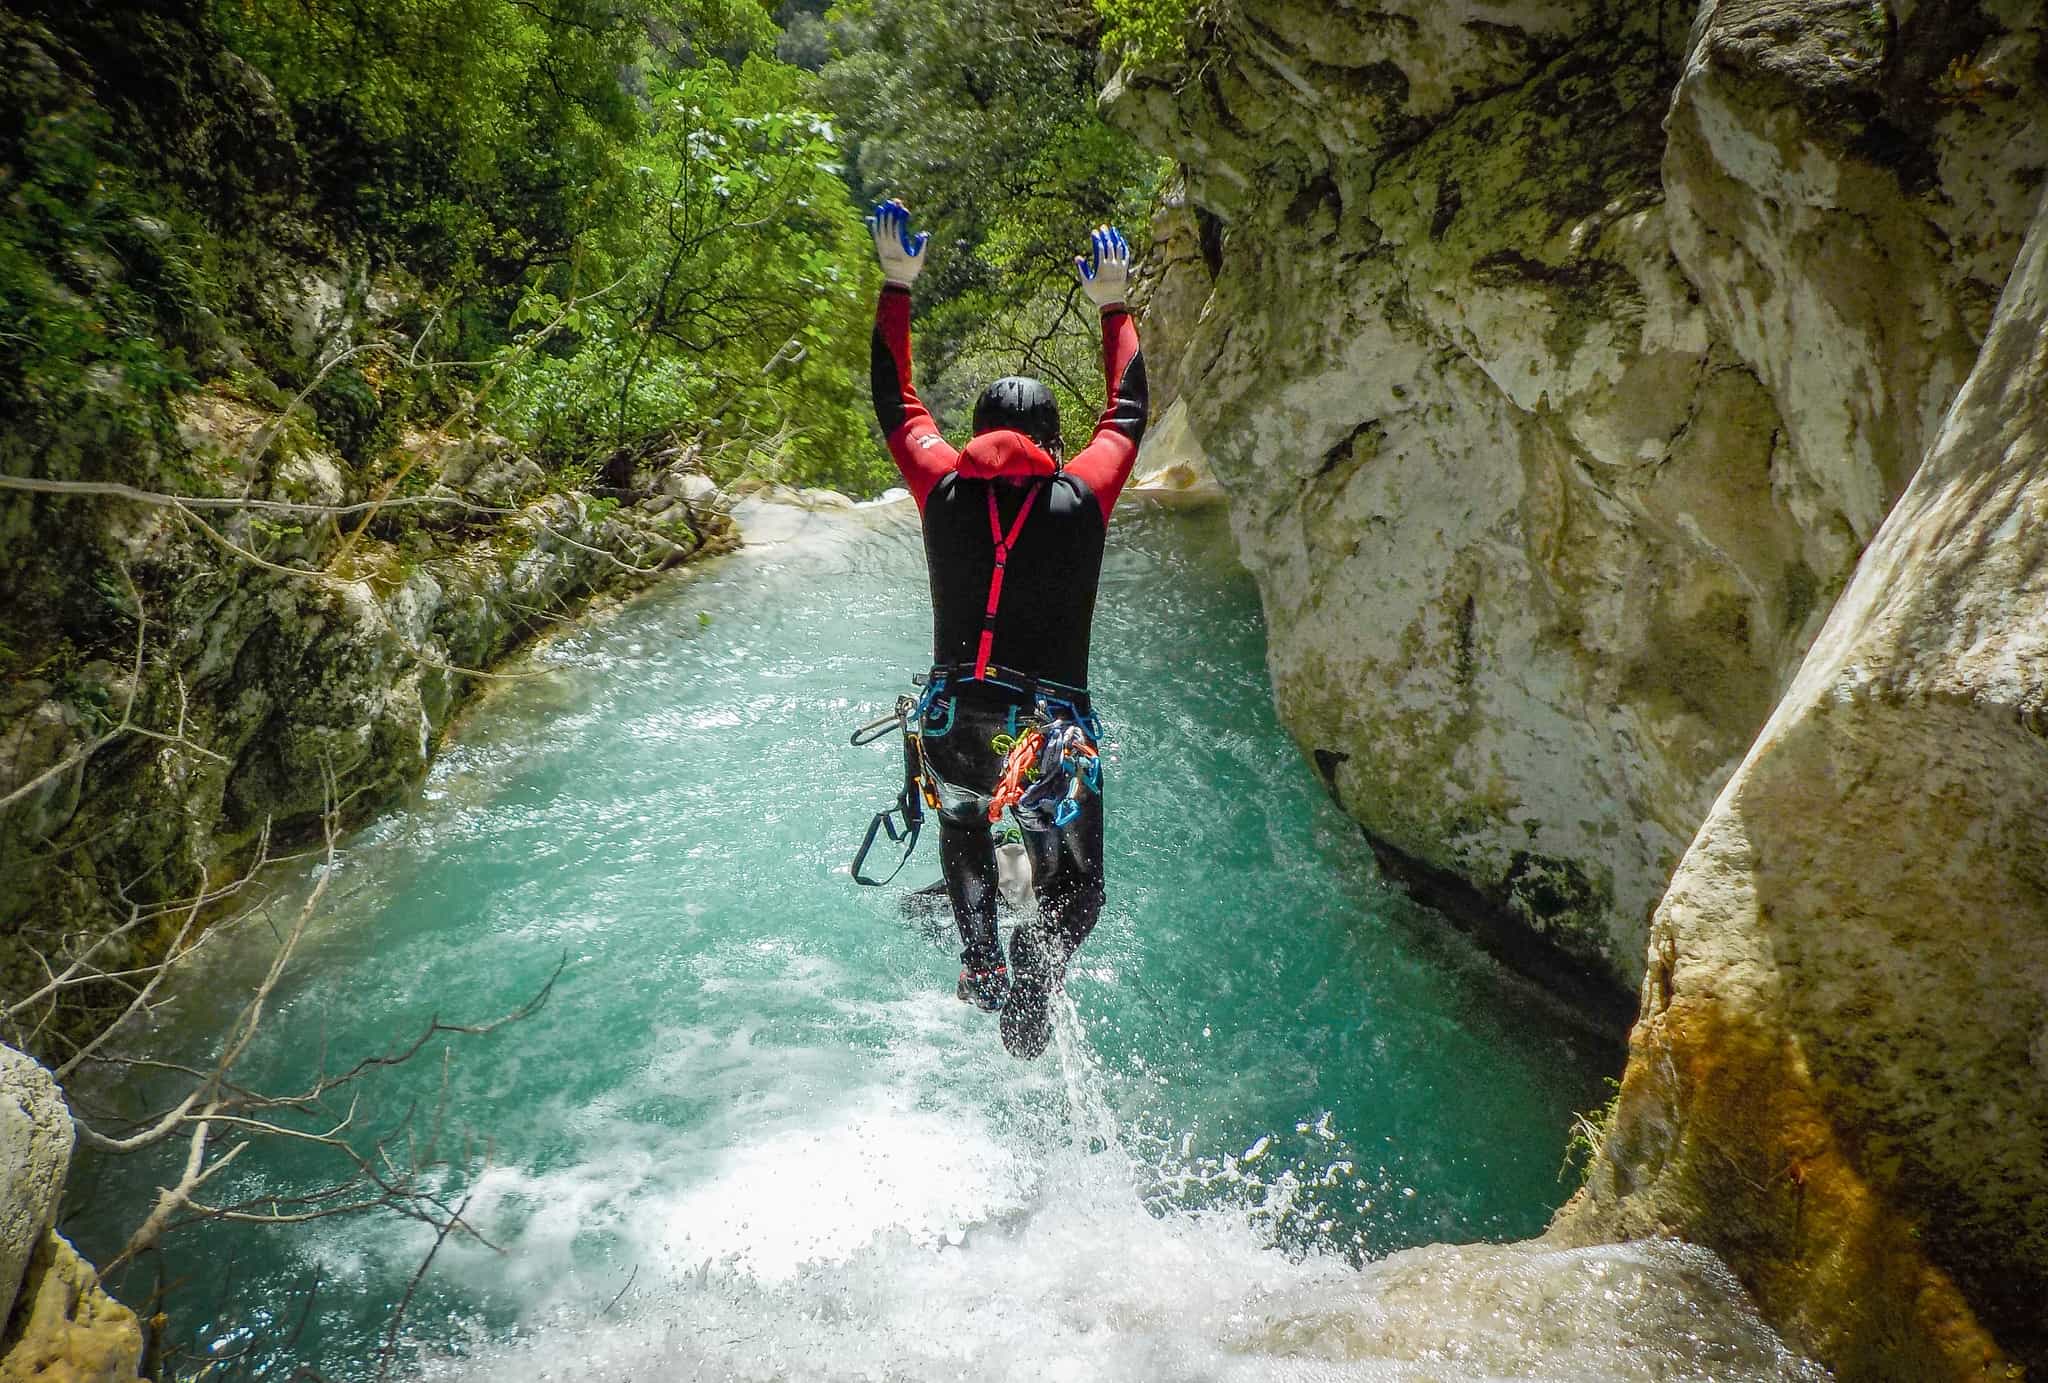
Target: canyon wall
1840,1077
281,666
1634,418
1561,358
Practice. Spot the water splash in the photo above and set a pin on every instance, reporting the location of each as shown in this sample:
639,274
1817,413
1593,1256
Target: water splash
1068,1275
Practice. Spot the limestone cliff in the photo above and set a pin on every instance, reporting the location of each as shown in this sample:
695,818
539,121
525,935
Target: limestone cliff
1563,362
1561,359
55,1322
1841,1073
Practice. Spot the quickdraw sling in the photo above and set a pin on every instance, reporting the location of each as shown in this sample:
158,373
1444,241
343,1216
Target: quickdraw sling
920,790
1048,766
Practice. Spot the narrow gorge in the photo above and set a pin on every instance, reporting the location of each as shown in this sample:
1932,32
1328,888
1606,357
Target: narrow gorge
1630,424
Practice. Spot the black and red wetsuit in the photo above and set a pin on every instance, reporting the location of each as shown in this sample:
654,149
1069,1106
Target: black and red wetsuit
1002,637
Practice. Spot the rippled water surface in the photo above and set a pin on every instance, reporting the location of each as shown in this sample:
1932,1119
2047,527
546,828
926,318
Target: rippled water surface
752,1134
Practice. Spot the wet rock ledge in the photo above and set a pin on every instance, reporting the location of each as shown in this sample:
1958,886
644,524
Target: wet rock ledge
285,657
60,1325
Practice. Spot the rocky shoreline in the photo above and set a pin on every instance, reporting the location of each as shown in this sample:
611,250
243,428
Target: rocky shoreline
286,660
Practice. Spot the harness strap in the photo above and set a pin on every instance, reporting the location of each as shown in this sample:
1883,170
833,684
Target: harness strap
1028,687
1004,542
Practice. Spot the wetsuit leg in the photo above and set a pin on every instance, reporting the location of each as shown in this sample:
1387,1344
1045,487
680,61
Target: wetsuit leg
1066,874
968,765
967,854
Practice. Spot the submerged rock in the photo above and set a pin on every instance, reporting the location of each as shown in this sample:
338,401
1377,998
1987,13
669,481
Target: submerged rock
1657,1311
1171,466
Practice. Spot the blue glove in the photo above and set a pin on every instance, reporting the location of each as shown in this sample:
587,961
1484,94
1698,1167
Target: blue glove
902,255
1106,272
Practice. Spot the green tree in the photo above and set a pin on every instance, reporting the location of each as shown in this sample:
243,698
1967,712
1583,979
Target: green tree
475,139
981,116
735,298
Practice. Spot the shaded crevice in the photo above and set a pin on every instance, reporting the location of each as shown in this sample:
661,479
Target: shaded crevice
1605,1007
1346,449
1328,761
1468,666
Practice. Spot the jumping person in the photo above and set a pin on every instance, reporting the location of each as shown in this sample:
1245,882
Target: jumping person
1013,539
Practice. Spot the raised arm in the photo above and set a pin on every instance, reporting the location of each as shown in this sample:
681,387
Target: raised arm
1105,463
913,438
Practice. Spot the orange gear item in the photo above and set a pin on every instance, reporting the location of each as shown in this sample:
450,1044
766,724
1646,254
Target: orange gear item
1022,759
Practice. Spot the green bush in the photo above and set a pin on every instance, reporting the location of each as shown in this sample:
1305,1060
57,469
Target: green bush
1145,31
733,301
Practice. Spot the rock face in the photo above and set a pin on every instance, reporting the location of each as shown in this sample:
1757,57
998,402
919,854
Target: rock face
35,1154
275,650
1171,284
58,1324
1841,1073
65,1329
1561,359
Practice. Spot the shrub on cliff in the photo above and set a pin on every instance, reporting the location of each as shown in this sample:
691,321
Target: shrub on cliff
1145,31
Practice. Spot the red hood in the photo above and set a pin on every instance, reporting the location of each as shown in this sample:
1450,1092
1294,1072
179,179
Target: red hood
1009,455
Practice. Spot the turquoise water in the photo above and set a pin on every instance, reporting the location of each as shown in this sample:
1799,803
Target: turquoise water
752,1134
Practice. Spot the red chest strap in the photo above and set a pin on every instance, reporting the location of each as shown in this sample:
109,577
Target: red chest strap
1004,542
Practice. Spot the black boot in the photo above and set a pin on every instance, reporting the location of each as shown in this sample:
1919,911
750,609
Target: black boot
985,988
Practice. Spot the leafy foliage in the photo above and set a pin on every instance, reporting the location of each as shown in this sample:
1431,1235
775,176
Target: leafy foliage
91,285
1146,31
981,116
636,222
477,135
736,295
681,228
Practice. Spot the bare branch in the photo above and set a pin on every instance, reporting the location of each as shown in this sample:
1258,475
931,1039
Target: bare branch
111,489
156,975
390,1349
171,1199
326,1085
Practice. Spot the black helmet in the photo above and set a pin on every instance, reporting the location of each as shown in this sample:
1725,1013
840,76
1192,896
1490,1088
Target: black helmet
1021,405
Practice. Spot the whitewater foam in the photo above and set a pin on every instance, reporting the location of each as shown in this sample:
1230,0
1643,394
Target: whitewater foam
988,1264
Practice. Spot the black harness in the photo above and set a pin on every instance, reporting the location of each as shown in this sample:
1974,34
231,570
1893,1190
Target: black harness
1051,550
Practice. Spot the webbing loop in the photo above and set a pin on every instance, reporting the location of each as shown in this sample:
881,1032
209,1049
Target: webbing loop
1004,542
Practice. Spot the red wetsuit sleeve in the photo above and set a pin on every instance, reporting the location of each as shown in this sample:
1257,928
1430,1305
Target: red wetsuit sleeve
913,438
1105,463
